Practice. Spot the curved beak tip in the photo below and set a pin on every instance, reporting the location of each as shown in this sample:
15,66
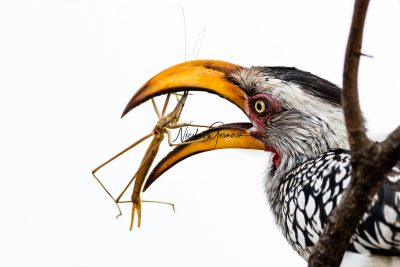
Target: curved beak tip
128,108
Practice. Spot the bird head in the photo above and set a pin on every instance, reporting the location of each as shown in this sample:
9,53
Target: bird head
293,114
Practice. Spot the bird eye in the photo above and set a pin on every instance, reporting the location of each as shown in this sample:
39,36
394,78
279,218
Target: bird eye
260,106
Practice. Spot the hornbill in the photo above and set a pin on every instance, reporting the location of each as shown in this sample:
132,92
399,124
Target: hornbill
298,117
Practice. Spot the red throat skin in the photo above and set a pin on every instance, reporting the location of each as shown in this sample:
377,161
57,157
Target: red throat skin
276,160
258,131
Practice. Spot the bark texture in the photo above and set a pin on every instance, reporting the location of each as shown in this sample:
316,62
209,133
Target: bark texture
370,160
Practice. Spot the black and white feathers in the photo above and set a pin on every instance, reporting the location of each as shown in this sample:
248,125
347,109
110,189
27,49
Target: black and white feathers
309,193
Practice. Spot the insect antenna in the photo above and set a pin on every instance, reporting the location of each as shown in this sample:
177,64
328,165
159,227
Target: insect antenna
198,42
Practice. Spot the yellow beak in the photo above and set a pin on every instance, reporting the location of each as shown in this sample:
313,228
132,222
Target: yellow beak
200,75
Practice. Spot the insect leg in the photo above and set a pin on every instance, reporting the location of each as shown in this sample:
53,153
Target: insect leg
110,160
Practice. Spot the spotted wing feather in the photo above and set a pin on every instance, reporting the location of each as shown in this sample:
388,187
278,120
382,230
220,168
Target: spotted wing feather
312,190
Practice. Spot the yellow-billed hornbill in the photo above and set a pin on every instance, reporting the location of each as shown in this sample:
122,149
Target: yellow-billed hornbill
298,117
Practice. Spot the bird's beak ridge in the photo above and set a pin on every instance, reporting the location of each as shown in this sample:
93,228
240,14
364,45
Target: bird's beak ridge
198,75
234,135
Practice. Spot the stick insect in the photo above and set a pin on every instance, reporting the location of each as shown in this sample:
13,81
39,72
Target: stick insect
162,127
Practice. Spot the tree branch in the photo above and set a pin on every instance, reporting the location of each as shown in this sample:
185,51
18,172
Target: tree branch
351,106
370,161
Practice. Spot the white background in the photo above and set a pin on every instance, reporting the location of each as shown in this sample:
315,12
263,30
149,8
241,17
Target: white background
67,70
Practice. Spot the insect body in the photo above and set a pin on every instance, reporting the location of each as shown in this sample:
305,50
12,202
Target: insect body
165,122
